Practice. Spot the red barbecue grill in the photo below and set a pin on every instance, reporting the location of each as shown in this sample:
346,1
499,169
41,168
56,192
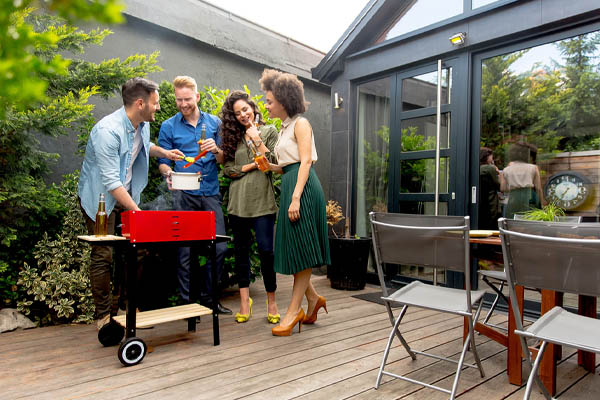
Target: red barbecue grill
145,228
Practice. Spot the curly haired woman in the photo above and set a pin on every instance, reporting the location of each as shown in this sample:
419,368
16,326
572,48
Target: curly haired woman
301,241
251,198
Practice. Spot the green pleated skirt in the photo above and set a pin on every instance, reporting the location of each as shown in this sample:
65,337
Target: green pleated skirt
304,243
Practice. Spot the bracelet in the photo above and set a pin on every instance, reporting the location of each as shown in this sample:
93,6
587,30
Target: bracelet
257,142
216,152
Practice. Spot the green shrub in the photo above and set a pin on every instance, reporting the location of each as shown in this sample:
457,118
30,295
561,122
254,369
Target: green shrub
29,207
57,289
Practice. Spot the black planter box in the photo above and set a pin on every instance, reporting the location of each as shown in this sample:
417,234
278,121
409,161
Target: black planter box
349,260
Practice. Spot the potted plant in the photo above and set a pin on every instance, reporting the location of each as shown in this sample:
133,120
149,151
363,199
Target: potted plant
349,255
550,212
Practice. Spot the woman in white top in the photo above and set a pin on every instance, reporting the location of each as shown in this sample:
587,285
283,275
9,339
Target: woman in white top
521,181
301,239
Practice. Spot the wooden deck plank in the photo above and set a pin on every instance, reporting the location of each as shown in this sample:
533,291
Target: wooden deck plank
336,358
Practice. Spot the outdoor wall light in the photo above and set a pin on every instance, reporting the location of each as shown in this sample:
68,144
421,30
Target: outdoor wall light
458,39
337,101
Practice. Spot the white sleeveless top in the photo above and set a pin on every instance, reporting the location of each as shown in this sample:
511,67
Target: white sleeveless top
286,148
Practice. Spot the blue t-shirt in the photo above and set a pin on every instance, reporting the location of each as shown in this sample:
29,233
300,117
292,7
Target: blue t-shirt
177,133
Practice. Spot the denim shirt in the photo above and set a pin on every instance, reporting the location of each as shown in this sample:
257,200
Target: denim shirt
107,157
177,133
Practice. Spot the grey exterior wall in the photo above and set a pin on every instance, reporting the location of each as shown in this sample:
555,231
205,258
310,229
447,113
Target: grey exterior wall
511,22
210,66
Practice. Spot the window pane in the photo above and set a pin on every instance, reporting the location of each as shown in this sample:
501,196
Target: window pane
419,133
541,119
421,13
421,91
418,176
373,151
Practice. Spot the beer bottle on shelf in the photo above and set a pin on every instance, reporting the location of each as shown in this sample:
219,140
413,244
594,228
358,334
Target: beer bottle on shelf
259,159
101,225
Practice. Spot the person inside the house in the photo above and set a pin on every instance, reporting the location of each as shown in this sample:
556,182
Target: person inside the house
521,181
116,164
489,185
251,204
301,240
184,131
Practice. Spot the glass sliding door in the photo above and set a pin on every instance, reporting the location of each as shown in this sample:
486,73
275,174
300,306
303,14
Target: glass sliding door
396,148
413,148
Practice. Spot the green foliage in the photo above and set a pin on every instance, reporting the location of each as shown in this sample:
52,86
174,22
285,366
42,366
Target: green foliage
28,208
58,290
555,108
22,68
211,101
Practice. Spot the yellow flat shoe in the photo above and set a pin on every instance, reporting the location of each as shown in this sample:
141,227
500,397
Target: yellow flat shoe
272,318
241,318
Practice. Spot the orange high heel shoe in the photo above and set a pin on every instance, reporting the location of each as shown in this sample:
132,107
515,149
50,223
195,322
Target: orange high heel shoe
287,331
310,319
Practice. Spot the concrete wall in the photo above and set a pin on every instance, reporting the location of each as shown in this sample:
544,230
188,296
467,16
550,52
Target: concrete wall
210,66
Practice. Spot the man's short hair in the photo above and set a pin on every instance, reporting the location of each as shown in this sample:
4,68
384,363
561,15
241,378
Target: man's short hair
137,88
183,81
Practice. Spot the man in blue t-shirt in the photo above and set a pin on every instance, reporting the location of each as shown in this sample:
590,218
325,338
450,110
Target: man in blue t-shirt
183,131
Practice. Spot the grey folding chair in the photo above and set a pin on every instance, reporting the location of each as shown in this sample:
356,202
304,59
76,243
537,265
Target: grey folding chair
431,241
495,278
562,257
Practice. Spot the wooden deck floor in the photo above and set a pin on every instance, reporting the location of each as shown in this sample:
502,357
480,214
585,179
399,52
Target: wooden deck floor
337,358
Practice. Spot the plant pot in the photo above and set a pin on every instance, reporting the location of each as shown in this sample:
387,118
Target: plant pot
185,180
349,261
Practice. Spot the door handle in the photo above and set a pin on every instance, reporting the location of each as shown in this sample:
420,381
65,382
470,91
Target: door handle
473,194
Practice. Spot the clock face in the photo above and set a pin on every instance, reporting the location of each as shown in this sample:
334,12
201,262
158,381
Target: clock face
567,190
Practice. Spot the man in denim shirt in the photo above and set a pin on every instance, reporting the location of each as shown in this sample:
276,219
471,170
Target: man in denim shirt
183,131
116,164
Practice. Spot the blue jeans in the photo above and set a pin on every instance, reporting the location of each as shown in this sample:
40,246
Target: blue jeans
189,255
264,227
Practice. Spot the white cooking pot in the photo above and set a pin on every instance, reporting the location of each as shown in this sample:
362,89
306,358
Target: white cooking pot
185,180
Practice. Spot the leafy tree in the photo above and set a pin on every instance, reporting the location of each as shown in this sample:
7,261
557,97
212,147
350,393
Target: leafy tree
556,108
28,208
581,94
22,68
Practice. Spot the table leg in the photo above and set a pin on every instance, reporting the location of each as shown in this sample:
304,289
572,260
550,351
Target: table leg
515,374
131,287
550,299
215,286
587,307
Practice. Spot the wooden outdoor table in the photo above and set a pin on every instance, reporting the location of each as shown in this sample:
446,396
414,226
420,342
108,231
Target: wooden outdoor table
550,299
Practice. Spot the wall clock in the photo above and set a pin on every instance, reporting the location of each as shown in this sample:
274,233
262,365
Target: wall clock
568,189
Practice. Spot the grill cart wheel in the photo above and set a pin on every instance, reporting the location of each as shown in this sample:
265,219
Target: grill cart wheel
111,334
132,351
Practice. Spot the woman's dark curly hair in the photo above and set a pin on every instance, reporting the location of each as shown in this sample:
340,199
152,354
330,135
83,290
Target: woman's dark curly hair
232,132
286,88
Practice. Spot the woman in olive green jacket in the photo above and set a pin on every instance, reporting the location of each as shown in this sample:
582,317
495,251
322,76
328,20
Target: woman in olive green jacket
251,204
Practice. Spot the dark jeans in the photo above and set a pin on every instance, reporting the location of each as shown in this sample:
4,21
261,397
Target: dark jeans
189,255
242,238
101,269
